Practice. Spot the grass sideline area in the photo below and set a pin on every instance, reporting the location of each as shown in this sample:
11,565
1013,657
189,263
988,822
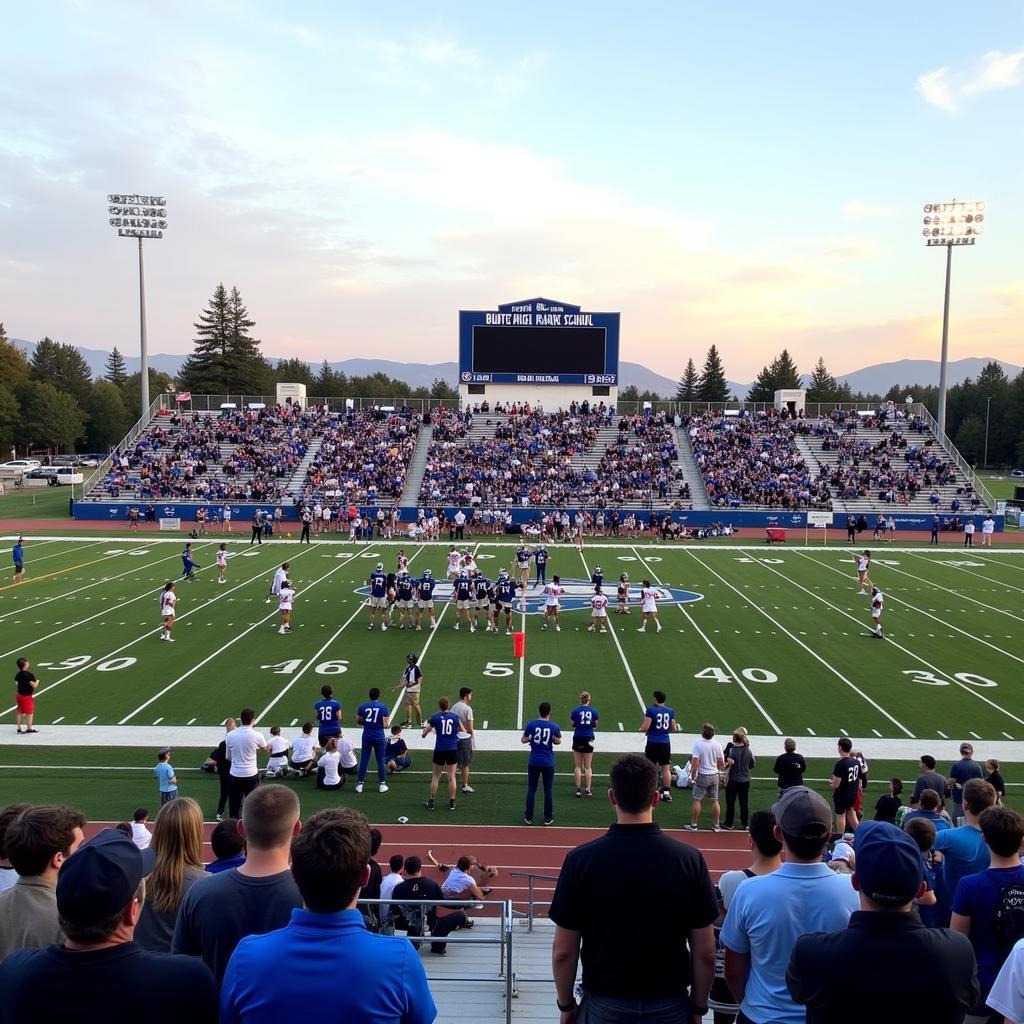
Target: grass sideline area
109,788
35,503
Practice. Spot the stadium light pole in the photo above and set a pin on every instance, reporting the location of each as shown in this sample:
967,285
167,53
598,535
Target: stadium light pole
139,217
950,224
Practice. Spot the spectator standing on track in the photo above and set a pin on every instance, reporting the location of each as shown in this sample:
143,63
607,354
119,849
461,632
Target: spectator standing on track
324,953
882,933
328,715
887,805
740,762
240,746
178,845
257,528
220,759
18,557
38,842
372,715
959,772
255,898
768,914
166,779
542,734
465,737
845,786
8,876
789,767
995,779
658,725
930,779
445,726
99,898
707,762
963,849
584,718
25,685
969,533
650,967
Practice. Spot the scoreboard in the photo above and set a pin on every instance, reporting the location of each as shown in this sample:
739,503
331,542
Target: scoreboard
538,341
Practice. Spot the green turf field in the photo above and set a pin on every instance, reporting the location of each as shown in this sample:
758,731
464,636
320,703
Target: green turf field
774,639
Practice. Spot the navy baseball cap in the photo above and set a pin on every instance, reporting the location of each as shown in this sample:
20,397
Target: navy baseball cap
889,867
101,876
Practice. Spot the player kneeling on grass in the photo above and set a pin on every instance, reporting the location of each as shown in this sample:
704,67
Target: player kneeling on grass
396,753
168,600
552,592
598,612
277,766
330,774
877,600
285,597
304,750
648,607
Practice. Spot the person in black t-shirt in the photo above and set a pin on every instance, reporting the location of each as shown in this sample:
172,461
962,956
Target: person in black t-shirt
886,806
219,759
25,685
100,892
845,787
646,936
790,767
413,916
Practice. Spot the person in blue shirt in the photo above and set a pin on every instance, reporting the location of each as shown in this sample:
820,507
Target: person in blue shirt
378,582
597,576
462,595
372,715
584,719
396,753
481,601
405,597
963,849
425,598
188,565
325,953
504,596
166,779
18,557
540,557
542,734
445,725
658,725
328,715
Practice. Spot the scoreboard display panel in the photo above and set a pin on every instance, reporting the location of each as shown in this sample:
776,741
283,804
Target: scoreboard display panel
538,341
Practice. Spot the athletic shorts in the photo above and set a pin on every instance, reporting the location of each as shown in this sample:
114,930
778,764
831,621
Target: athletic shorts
500,606
551,607
659,753
426,604
413,696
445,757
482,604
706,786
843,802
463,605
464,753
26,704
19,566
323,737
404,604
378,602
858,804
581,746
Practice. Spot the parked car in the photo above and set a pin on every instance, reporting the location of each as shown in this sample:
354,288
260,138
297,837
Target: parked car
19,466
55,475
1019,473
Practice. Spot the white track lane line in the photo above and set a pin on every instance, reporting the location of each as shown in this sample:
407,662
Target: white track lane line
814,654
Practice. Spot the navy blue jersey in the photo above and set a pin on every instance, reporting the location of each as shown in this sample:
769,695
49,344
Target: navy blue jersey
542,733
446,725
372,713
463,589
391,578
405,589
662,717
481,583
378,584
395,747
328,714
542,556
584,718
426,586
597,579
505,592
523,558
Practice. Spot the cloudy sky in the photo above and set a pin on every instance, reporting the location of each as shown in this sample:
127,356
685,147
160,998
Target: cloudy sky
751,177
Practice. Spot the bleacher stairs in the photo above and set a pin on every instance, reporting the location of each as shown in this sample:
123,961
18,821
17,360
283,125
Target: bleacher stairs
416,468
691,473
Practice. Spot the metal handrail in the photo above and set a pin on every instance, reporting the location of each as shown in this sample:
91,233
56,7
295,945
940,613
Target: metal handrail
947,446
135,431
530,901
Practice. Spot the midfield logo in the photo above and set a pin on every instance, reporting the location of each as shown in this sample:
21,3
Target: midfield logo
576,595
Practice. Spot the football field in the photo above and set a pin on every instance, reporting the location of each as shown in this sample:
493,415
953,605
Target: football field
774,639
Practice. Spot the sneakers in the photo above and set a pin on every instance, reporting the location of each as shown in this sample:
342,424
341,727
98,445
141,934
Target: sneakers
579,794
641,630
451,805
558,629
716,828
383,627
549,821
527,821
359,787
666,796
658,629
429,804
170,639
220,817
382,788
726,828
590,629
468,789
419,629
691,827
588,793
456,627
861,593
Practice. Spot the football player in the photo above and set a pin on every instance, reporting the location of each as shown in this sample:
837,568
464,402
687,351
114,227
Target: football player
425,598
622,596
378,596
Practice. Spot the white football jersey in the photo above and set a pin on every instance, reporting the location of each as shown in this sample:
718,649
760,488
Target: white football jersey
598,604
862,563
285,596
167,602
552,593
222,559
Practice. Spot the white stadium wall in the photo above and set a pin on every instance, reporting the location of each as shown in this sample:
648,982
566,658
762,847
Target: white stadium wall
550,396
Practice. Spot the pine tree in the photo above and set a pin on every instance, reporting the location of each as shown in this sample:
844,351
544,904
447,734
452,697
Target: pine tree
64,367
713,385
787,376
14,369
52,418
325,384
822,387
689,384
780,374
294,371
117,369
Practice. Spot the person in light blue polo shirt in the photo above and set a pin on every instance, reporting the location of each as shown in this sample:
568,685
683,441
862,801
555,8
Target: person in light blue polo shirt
372,715
165,776
542,734
325,954
769,913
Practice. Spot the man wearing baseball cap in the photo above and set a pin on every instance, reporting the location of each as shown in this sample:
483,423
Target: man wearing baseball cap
769,913
888,944
100,892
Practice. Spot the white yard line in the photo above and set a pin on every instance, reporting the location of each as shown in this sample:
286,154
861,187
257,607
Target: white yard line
223,647
148,633
30,549
917,657
946,625
969,572
718,654
814,654
618,646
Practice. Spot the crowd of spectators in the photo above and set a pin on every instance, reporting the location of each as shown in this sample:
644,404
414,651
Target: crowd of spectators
753,460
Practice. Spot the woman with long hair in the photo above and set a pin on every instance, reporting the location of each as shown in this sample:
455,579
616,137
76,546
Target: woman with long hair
584,721
178,843
740,762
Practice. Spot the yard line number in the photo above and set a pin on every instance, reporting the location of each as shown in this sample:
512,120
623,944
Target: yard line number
752,675
81,660
542,670
323,668
919,675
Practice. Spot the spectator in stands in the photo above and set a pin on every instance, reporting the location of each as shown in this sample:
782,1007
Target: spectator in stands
371,887
928,807
482,874
923,833
995,779
765,851
1007,994
460,883
228,847
38,841
635,966
882,933
255,898
387,884
324,956
930,779
789,767
98,968
959,772
963,848
768,914
178,844
418,919
8,876
980,902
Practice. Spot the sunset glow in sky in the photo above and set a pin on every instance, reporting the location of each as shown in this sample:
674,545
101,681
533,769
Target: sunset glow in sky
751,176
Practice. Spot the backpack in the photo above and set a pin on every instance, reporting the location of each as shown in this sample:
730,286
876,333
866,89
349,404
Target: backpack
1010,916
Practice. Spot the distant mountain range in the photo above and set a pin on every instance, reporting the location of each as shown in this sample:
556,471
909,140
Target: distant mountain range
875,379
